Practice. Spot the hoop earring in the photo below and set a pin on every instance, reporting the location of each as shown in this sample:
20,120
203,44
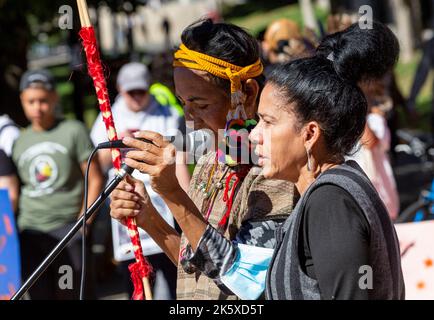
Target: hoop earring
309,164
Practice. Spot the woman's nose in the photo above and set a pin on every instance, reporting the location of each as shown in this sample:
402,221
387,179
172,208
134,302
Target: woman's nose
255,135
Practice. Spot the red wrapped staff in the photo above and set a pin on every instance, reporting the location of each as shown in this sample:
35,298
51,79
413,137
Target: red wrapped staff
141,269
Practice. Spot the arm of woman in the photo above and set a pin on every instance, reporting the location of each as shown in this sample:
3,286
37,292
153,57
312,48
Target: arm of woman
234,266
335,234
209,251
237,267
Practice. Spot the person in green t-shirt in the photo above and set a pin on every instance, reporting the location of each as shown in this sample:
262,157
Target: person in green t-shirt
51,159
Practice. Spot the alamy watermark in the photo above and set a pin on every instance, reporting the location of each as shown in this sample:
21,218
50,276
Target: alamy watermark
66,18
366,17
366,280
66,278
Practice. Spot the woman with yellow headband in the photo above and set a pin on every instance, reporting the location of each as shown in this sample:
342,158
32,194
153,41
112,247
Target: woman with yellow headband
217,75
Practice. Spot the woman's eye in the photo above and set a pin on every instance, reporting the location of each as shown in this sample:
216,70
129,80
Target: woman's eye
202,106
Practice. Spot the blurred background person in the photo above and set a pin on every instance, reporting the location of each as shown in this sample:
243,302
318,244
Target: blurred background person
283,42
373,150
51,159
163,87
386,86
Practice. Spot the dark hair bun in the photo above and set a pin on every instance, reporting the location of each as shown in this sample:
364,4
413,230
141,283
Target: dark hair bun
359,54
224,41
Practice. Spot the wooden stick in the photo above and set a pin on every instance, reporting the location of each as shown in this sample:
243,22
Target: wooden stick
147,289
80,12
83,13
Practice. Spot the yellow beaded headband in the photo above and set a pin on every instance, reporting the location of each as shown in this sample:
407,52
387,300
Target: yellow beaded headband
191,59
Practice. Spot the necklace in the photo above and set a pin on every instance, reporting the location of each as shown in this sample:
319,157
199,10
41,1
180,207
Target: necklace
212,189
209,188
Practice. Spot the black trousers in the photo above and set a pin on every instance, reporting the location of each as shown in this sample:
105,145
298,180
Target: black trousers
34,247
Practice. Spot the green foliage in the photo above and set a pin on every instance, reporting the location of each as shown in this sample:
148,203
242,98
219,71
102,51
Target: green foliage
405,74
257,21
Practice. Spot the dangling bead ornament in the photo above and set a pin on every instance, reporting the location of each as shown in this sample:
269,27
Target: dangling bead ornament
236,135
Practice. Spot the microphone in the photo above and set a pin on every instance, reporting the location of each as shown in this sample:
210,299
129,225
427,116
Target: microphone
123,171
118,144
190,143
119,176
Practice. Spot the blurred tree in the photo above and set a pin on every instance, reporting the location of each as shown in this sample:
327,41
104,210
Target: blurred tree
404,28
21,22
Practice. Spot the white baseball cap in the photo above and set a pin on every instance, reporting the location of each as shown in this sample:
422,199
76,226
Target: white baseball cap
133,76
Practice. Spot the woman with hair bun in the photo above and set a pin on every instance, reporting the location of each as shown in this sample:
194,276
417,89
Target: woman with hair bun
339,242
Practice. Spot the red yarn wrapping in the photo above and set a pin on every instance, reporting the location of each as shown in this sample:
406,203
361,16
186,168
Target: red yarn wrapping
96,72
141,268
229,199
137,273
146,268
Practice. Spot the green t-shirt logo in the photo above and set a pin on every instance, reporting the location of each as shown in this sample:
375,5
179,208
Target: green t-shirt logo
43,173
42,161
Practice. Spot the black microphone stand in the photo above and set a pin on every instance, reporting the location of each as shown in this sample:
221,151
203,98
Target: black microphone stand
79,224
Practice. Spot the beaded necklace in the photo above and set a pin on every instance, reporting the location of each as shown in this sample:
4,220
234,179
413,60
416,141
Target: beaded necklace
211,188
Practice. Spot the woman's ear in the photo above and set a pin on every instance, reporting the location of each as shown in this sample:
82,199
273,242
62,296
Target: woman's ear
312,133
251,90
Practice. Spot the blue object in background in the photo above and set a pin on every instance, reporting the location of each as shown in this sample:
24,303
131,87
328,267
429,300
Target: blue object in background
10,270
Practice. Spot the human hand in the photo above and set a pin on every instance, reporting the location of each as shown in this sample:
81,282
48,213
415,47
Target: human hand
130,200
158,159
